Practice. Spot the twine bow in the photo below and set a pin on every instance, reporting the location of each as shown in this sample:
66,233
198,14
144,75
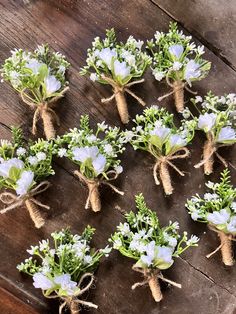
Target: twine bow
228,237
125,88
40,108
167,159
96,182
149,274
70,301
14,201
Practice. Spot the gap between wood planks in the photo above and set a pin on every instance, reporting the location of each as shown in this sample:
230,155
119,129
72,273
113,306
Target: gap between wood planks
182,259
216,51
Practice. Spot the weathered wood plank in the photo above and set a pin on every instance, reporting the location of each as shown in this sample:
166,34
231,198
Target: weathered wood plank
213,22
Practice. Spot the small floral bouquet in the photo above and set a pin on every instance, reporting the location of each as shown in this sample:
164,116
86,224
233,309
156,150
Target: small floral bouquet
152,247
64,270
157,134
96,155
178,59
119,65
39,77
217,120
217,208
22,170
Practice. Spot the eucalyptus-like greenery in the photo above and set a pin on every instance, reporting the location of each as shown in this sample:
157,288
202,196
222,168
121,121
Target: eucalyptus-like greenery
95,152
57,267
176,57
217,207
142,239
23,165
39,74
122,62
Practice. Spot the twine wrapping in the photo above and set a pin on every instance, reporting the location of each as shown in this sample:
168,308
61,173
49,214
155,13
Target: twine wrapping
30,202
209,150
93,184
178,91
161,167
45,112
119,95
73,302
225,246
151,278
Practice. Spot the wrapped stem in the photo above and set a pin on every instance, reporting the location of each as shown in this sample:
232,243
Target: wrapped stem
207,151
121,105
74,307
178,87
94,197
34,214
165,178
226,249
155,288
49,129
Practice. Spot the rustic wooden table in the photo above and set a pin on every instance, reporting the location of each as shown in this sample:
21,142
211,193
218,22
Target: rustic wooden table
70,26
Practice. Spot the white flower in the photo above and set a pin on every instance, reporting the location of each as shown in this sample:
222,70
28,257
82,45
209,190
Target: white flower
157,36
124,228
165,254
171,240
102,126
99,164
34,65
5,143
117,244
206,121
176,50
233,206
108,149
200,50
33,160
20,151
231,226
158,74
226,134
121,69
198,99
177,65
52,84
62,69
41,156
24,183
32,250
42,282
6,165
128,135
175,225
66,283
211,197
210,184
93,77
161,132
83,153
146,259
88,259
192,70
129,58
176,141
43,245
193,240
118,169
218,217
91,138
61,152
106,54
195,214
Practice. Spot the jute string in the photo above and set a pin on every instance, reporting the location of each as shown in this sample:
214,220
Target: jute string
73,302
118,94
43,110
161,167
93,184
225,246
151,278
28,199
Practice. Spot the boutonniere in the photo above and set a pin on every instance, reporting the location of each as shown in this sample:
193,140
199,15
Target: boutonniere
39,78
120,65
217,120
178,60
156,133
217,208
153,247
96,155
65,269
23,170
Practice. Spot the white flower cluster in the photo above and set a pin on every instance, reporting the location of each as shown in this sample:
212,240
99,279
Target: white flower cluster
95,153
175,56
41,72
150,245
120,61
59,269
217,207
218,117
156,132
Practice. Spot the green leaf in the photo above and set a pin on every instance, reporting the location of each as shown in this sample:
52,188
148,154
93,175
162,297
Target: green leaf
43,72
156,141
14,173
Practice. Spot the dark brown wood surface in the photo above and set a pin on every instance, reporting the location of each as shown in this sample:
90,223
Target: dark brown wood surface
70,26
